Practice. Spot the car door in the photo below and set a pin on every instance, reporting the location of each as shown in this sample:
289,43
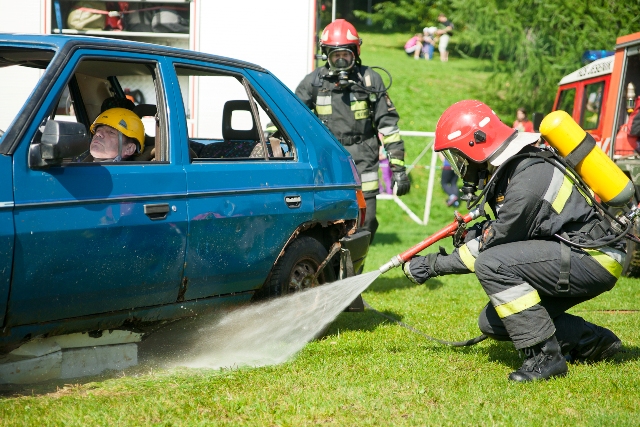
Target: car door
249,183
99,237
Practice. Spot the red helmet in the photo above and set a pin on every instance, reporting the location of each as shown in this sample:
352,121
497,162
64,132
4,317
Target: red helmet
472,129
340,33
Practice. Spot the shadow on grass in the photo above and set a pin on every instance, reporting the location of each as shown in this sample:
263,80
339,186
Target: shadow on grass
385,239
55,388
363,321
387,284
504,352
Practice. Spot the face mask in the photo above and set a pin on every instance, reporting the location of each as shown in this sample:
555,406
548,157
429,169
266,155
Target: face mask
474,178
341,59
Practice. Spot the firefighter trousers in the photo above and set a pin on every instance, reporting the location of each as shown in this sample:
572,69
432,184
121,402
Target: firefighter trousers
526,304
370,220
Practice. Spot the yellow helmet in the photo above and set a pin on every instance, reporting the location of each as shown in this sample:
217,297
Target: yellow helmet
123,120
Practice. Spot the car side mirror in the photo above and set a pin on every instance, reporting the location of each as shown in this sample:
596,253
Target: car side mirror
60,140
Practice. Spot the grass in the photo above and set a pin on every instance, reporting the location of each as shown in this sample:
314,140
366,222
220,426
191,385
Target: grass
367,371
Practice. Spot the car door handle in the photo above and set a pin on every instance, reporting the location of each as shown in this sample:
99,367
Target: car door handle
293,202
156,211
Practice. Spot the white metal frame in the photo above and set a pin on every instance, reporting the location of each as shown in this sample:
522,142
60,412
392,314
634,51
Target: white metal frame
432,178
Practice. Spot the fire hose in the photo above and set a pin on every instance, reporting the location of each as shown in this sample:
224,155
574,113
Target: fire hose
457,226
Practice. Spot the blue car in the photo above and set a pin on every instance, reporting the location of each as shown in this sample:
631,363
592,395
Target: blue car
239,192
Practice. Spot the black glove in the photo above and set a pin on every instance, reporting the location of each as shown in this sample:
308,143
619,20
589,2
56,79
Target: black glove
400,183
420,268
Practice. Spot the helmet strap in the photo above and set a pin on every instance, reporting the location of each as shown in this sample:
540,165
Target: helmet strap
119,156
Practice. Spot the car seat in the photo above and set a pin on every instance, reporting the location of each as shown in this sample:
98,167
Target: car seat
147,110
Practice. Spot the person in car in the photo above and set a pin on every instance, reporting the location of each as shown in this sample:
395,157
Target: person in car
118,134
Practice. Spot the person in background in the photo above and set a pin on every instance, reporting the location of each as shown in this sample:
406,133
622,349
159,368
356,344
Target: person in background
413,46
428,42
449,182
522,123
445,30
387,174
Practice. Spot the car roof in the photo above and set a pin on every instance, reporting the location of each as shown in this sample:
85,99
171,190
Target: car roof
599,67
64,42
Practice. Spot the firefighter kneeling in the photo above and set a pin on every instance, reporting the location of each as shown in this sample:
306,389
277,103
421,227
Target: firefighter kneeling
529,274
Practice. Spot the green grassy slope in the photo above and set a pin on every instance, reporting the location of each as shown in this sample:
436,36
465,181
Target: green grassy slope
367,371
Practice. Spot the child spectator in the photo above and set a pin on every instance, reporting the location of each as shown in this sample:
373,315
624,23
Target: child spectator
522,123
414,46
429,42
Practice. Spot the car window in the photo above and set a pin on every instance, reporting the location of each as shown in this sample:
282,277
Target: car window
99,85
226,120
567,97
20,71
592,105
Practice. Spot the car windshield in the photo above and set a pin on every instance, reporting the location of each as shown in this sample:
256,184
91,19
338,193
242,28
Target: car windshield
20,70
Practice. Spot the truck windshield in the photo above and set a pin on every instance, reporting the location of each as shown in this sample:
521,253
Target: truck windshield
592,105
20,70
567,98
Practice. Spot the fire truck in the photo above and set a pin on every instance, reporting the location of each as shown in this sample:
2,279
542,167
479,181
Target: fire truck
601,97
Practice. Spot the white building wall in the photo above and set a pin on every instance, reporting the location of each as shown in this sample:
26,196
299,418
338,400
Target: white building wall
276,34
22,16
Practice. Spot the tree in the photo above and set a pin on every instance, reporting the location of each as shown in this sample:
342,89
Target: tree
404,15
533,43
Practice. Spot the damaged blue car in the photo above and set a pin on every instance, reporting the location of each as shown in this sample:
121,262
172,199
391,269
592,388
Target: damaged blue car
236,192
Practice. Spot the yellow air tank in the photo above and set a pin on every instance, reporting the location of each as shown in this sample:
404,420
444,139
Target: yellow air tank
597,170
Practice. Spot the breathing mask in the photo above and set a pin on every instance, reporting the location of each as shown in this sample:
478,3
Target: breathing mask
473,175
341,59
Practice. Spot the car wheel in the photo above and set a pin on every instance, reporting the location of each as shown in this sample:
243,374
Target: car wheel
296,269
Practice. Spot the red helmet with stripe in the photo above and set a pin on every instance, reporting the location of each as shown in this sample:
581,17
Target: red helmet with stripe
471,131
340,33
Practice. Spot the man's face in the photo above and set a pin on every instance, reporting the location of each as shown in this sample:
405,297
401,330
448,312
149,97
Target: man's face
442,18
104,144
341,59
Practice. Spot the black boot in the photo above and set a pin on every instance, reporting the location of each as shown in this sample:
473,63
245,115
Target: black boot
596,344
542,361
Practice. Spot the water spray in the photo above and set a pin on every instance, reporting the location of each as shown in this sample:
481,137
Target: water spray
273,331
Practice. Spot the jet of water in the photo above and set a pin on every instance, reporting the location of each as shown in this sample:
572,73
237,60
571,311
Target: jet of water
271,332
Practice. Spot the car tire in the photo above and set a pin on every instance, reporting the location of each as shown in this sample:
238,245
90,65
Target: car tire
295,269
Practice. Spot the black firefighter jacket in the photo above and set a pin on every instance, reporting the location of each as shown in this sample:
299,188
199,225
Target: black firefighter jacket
532,199
355,116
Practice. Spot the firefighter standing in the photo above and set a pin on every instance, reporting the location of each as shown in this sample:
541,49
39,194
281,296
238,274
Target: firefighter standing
530,276
351,100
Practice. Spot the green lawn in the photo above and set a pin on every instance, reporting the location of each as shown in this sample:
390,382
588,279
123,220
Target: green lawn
367,370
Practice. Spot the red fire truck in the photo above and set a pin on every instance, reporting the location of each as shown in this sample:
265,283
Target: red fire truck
602,97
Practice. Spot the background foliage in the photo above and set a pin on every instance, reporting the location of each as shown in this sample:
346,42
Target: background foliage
531,43
407,15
